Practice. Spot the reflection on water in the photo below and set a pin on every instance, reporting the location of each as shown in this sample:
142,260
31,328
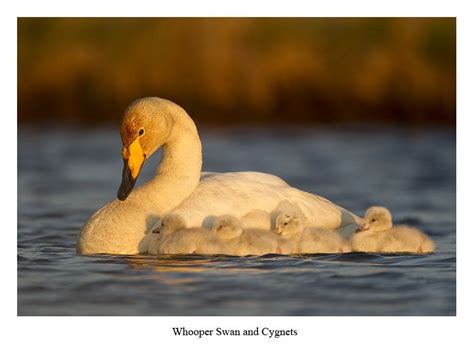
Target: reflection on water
65,175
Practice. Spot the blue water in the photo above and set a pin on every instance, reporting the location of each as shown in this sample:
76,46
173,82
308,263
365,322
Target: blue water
64,175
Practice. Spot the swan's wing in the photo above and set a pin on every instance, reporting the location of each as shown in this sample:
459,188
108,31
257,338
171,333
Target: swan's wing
240,192
248,176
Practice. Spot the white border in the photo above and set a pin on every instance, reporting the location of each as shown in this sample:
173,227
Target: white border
247,8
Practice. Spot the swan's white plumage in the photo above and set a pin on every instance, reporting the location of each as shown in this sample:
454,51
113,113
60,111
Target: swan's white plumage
238,193
120,227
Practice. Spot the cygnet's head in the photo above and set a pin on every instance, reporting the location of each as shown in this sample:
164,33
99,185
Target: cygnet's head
288,224
227,227
169,224
377,219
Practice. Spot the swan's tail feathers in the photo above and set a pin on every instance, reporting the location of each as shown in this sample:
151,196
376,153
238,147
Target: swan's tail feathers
348,218
326,214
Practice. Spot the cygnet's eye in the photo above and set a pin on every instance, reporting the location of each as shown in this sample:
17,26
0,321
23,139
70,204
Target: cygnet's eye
141,132
220,227
286,223
373,220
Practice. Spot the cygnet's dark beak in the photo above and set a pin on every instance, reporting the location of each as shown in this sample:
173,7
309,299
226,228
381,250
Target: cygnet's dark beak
364,226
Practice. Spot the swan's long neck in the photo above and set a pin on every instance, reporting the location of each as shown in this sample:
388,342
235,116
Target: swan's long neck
121,226
179,171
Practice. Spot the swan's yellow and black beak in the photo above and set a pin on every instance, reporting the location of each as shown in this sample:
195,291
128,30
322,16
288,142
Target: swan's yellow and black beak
133,159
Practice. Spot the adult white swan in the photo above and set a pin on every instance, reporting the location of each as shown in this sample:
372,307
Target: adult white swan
120,227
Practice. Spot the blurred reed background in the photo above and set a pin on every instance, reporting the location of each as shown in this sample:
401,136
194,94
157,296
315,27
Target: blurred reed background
249,70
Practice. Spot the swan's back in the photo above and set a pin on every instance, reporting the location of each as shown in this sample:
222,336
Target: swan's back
238,193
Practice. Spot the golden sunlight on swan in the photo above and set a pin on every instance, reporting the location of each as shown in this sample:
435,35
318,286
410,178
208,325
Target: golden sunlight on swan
122,225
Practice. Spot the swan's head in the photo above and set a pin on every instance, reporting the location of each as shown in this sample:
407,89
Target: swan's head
227,227
288,224
376,219
146,125
169,224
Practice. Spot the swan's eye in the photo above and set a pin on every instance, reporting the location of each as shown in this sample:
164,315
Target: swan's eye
141,131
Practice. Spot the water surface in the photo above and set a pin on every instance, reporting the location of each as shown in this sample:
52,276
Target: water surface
65,175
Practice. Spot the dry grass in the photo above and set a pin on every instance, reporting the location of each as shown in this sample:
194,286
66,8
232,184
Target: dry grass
252,70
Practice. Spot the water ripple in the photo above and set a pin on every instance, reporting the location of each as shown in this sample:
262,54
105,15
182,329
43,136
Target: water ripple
62,180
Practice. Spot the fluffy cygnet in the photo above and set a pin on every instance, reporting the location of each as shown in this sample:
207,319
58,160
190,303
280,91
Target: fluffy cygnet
227,228
320,240
288,225
168,225
289,208
237,241
174,238
256,219
297,239
290,229
376,234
